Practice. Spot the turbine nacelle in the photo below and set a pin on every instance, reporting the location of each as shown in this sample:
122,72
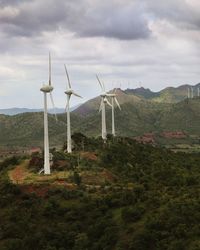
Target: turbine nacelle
103,95
69,92
111,95
46,88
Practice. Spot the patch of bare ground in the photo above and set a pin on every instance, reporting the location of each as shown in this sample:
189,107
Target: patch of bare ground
38,190
98,178
89,155
70,186
19,174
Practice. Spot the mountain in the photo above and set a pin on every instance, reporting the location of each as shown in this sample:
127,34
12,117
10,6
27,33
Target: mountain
26,129
142,92
15,111
92,106
172,95
139,115
183,115
167,95
135,118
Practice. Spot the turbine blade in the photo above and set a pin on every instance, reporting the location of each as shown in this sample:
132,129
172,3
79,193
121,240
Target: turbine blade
69,84
51,97
100,107
117,103
100,83
104,86
66,108
76,94
49,69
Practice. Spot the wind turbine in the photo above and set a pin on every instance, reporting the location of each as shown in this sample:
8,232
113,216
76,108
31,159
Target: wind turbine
188,93
102,108
113,101
69,92
47,89
192,92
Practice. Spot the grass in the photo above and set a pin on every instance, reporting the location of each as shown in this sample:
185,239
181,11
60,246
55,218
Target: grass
23,175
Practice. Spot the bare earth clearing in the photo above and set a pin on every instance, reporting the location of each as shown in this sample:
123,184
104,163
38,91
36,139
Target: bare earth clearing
39,183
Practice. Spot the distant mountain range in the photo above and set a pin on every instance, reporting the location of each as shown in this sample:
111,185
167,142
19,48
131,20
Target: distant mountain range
15,111
167,95
143,111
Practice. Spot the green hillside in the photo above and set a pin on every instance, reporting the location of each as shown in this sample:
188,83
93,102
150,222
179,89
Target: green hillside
118,196
27,129
184,115
93,105
167,95
136,118
172,95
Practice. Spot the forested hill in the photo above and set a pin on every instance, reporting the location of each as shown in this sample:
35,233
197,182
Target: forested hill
167,95
119,195
135,118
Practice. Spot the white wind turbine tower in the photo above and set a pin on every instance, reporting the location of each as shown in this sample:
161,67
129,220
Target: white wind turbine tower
69,92
113,101
47,88
102,108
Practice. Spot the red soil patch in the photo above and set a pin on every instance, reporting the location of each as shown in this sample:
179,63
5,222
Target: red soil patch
39,191
175,134
18,174
146,138
70,186
89,155
90,178
108,176
62,163
42,191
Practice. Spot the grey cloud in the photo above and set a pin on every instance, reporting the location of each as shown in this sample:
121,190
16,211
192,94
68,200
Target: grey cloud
123,22
178,12
119,21
33,18
11,2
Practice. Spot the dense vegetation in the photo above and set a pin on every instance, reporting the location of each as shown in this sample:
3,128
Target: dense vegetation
152,204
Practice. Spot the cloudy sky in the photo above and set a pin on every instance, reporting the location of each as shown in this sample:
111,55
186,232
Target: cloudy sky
129,43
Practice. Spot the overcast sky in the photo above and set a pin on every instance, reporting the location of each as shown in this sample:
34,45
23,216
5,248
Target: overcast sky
129,43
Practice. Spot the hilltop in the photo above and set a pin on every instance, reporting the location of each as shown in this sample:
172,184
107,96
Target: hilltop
167,95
